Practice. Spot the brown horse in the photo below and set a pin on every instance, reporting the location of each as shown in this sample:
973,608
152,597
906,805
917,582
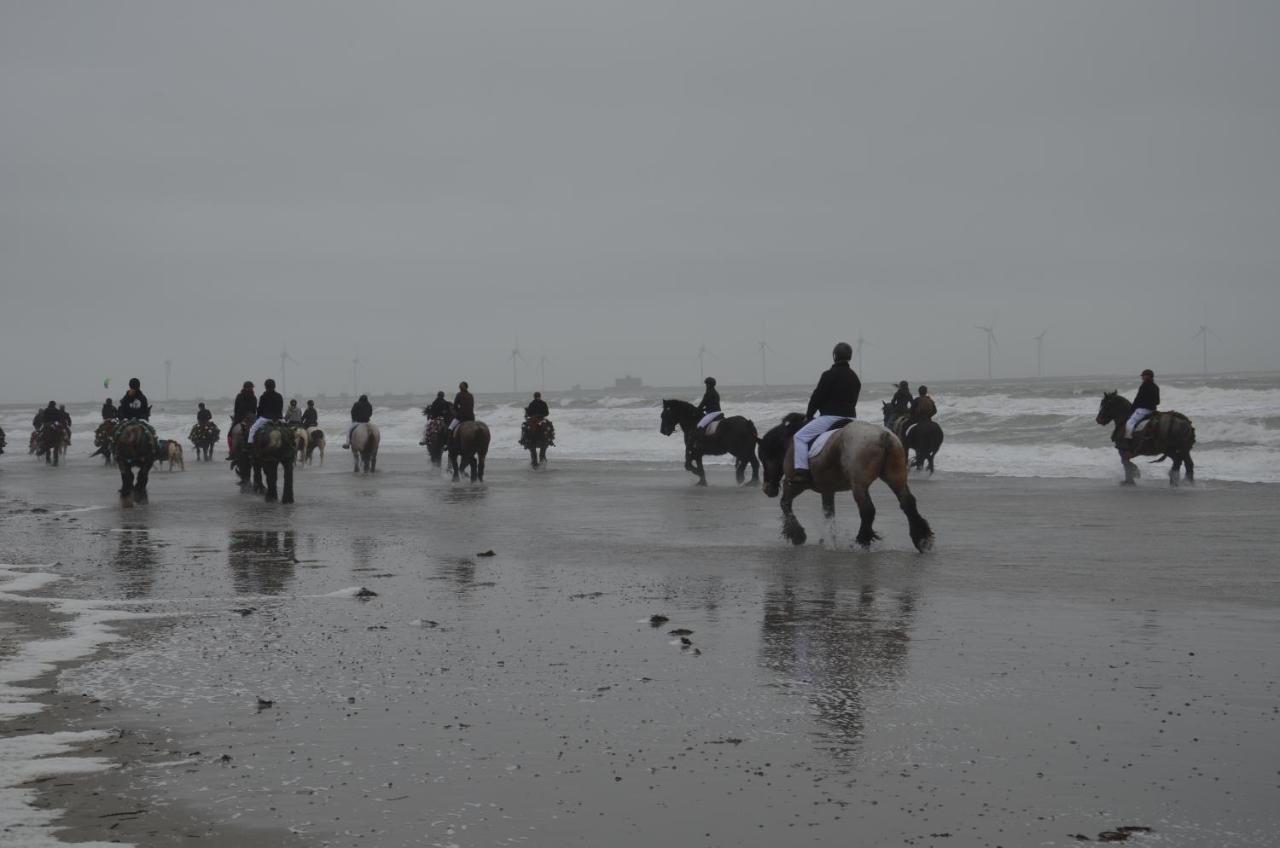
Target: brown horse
435,438
364,441
54,440
136,446
104,439
204,435
312,440
470,443
1169,434
536,435
854,458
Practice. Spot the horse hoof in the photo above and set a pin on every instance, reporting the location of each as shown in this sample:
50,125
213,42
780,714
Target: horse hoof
925,544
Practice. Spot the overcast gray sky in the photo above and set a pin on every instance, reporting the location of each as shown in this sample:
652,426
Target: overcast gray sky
616,183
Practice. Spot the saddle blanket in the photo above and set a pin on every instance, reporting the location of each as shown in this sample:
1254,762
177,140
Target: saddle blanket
821,442
710,423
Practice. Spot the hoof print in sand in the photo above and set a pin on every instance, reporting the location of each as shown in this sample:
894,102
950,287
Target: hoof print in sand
657,620
264,704
366,593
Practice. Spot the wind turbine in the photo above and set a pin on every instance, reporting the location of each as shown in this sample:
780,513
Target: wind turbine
1039,354
764,364
285,358
168,366
542,371
991,340
515,355
858,346
1203,334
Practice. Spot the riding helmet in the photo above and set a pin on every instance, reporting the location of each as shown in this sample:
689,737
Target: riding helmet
710,381
269,384
1148,373
135,383
843,352
903,384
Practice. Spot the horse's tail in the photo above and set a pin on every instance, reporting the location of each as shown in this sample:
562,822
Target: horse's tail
1160,458
886,447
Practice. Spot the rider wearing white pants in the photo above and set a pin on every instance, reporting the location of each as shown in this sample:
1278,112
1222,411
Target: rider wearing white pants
1145,403
835,397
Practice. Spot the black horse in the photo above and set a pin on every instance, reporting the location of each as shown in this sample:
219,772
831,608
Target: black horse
136,447
536,436
204,435
273,446
1169,434
734,435
436,439
922,436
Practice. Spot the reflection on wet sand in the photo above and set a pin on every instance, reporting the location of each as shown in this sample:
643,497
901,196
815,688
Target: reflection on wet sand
262,562
135,561
834,645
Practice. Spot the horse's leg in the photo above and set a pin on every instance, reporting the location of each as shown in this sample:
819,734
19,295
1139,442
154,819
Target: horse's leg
1130,472
1191,468
866,512
1175,471
453,465
270,468
533,456
257,477
140,487
828,505
287,495
755,470
792,530
699,470
739,470
126,485
894,474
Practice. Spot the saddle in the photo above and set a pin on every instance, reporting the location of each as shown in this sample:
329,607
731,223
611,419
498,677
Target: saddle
712,428
819,443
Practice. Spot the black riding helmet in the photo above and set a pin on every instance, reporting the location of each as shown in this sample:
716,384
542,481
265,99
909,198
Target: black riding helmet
924,390
135,383
903,384
710,381
269,384
842,352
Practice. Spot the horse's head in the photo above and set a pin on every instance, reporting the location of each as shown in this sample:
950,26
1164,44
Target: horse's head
773,451
669,419
886,409
1107,408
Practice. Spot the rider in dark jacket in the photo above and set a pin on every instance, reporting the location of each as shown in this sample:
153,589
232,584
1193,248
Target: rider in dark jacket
537,407
439,407
109,410
310,417
203,415
134,403
710,398
835,397
362,410
464,404
271,403
244,412
901,402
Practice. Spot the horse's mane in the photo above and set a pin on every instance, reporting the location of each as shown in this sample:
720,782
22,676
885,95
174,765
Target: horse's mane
680,405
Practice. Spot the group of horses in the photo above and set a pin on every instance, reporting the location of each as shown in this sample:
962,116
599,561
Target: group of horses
860,453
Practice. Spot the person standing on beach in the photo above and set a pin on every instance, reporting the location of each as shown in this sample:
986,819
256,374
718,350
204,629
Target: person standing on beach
1145,403
835,398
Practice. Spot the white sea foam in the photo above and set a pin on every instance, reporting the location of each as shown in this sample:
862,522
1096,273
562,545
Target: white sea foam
1018,428
27,757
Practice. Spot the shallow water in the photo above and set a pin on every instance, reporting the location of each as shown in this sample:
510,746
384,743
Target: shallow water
1072,657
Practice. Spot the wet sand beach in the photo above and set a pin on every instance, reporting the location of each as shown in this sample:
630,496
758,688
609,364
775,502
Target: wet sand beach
1071,658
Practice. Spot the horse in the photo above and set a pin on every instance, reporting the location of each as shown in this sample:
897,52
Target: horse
136,446
436,438
204,435
470,443
364,441
853,458
273,445
734,435
312,441
54,440
171,452
104,439
924,436
1170,434
536,436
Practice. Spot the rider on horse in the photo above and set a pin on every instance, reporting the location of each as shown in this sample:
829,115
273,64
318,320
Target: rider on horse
246,407
310,417
203,415
901,401
922,406
270,408
1145,403
534,415
438,411
835,398
361,413
109,410
464,408
134,403
44,418
709,406
293,415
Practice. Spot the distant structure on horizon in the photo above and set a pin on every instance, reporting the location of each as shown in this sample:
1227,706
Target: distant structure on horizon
628,382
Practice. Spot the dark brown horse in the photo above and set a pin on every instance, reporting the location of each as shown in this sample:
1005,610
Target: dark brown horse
53,441
853,459
924,436
274,451
536,436
1169,434
104,438
470,444
436,439
136,447
204,435
734,435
